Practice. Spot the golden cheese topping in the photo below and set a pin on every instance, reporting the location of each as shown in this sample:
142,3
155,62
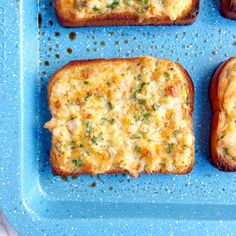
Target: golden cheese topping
143,8
126,115
227,118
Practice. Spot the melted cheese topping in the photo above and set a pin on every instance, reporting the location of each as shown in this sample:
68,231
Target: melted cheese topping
143,8
127,115
227,118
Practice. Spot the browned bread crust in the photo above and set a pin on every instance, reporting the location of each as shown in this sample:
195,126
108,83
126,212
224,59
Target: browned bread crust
116,19
228,9
88,170
218,161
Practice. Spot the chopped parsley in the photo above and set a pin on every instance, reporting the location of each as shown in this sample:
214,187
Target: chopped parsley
113,5
94,140
108,84
138,77
144,132
77,164
169,148
72,144
136,136
89,94
146,116
137,149
96,8
167,76
88,128
143,84
110,121
176,132
139,90
110,105
156,106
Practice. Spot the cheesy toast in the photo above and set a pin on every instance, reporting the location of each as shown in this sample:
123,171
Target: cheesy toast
121,116
223,128
228,9
75,13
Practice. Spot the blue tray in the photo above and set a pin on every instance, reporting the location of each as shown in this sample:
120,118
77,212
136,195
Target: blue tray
36,202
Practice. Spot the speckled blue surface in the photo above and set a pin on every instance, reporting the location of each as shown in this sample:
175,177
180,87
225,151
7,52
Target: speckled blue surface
36,202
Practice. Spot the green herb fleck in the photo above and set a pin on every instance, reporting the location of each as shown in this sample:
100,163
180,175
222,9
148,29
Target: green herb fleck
110,121
143,84
113,5
138,77
94,140
176,132
89,94
86,82
156,106
139,90
88,128
142,102
169,147
136,136
77,164
72,144
167,76
96,8
137,149
109,84
110,105
144,132
146,115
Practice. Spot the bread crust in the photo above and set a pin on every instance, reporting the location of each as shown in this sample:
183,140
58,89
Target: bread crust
86,170
228,9
116,19
218,160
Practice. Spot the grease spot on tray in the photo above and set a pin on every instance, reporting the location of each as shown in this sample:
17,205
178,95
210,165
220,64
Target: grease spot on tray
72,36
93,185
57,34
51,23
46,63
64,178
69,50
103,43
40,19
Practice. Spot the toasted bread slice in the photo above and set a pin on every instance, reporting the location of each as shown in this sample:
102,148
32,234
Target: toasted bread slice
75,13
223,128
121,116
228,9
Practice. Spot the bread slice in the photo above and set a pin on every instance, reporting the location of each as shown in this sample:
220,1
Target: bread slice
223,128
121,116
75,13
228,8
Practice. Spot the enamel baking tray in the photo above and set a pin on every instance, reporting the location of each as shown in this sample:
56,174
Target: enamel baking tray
32,47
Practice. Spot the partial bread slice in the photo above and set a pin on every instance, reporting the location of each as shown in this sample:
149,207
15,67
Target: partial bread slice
121,116
228,9
75,13
223,128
